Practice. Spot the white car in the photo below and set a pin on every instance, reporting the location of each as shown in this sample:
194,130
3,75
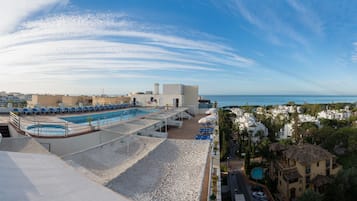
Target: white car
259,196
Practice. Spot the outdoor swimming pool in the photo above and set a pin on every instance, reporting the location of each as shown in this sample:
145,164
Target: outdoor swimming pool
108,117
257,173
47,129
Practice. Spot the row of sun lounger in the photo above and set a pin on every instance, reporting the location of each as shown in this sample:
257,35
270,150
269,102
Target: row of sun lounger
58,110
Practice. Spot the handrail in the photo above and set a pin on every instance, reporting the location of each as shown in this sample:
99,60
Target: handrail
59,129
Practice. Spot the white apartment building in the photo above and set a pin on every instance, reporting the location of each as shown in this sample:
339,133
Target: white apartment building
248,122
237,111
286,131
335,114
173,95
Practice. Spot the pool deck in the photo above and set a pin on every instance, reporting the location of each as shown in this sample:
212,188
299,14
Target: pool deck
127,126
189,129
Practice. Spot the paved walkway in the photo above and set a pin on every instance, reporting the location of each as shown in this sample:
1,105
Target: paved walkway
190,128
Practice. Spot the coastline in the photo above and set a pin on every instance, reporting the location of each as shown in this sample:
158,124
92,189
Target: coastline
264,100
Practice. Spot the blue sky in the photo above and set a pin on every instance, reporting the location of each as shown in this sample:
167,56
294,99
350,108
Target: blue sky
225,47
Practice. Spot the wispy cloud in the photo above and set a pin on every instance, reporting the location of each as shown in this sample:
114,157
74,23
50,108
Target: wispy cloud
308,17
14,11
354,54
111,46
277,27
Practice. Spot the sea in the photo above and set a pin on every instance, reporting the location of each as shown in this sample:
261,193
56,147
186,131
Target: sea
263,100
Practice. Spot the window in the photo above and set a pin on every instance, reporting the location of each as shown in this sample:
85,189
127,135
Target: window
308,169
307,179
328,163
300,189
317,164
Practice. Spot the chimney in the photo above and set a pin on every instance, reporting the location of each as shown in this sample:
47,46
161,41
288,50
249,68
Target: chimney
156,89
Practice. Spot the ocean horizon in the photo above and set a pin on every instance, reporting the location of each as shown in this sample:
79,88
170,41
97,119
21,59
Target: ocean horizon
241,100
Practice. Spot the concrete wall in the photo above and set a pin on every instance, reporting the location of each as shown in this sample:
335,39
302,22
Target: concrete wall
63,146
75,100
172,89
161,100
98,100
45,100
190,98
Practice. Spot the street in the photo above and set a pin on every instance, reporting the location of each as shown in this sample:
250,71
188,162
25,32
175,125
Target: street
237,184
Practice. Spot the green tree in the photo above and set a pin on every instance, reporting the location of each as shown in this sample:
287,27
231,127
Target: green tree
343,187
263,148
225,129
352,142
296,127
310,195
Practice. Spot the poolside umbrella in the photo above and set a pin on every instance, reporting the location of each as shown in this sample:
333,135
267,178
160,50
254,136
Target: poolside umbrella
208,119
211,111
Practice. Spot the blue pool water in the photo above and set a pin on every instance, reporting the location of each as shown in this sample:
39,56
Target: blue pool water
108,116
257,173
47,129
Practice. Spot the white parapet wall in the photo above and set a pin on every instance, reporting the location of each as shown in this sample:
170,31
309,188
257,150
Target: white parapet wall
63,146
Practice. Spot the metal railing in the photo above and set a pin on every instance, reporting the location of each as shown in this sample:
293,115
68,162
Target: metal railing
42,128
46,128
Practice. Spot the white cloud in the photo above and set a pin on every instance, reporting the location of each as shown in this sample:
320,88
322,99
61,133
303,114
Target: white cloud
354,54
309,18
106,46
12,12
265,17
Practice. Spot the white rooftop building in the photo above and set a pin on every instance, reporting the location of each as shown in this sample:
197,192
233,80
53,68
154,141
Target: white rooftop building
335,114
248,122
286,131
173,95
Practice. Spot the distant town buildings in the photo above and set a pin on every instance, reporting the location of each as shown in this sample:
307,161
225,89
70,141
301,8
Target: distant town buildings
247,121
342,114
67,101
13,99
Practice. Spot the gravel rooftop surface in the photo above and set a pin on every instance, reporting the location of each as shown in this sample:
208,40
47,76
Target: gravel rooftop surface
172,171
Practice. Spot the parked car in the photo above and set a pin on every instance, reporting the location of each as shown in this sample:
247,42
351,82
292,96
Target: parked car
259,196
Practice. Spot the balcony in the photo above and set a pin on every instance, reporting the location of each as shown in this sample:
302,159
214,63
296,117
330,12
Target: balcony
284,165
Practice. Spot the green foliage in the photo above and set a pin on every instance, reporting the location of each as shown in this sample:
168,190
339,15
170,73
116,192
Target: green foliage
212,196
263,148
249,108
345,137
352,142
224,168
312,109
343,187
310,195
348,160
290,103
225,129
273,125
286,141
336,124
